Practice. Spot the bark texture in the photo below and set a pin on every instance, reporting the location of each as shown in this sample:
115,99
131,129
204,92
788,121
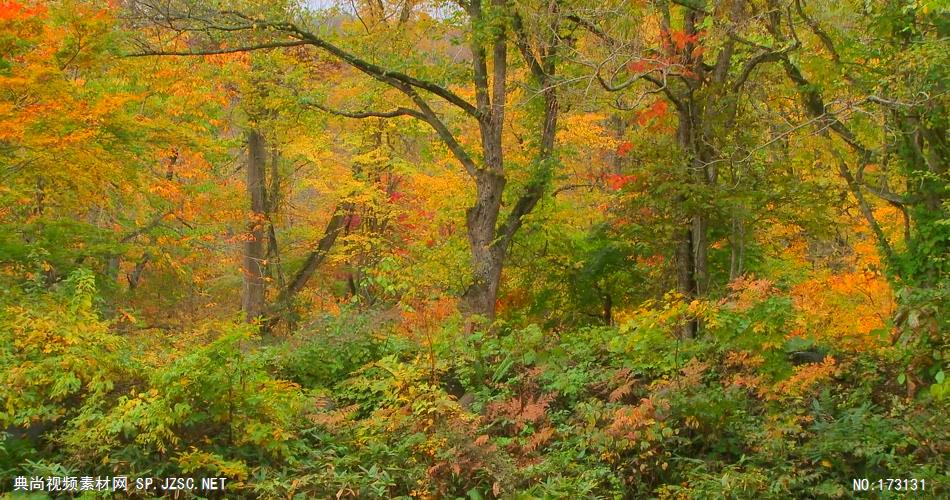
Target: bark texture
252,293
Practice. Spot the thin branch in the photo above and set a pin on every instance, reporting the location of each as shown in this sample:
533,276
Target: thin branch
570,187
152,224
430,117
762,57
399,111
302,37
820,33
525,48
591,27
659,83
210,52
316,257
384,74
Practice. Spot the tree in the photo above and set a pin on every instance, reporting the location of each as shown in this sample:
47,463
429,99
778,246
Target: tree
490,28
906,94
252,297
699,59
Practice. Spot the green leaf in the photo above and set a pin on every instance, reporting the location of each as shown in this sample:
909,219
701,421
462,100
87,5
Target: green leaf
503,368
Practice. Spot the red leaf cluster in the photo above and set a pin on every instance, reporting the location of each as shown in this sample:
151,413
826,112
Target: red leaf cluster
624,148
658,109
681,39
616,182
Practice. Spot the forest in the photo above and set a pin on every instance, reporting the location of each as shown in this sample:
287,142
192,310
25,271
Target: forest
474,249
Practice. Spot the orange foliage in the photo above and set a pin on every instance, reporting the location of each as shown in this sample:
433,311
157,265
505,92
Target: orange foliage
747,291
844,308
658,109
744,364
624,148
520,410
538,439
743,360
616,182
804,379
333,418
629,420
13,10
690,376
681,39
646,65
620,392
426,316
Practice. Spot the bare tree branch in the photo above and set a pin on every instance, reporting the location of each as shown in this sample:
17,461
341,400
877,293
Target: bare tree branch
523,46
174,21
399,111
430,117
384,74
210,52
762,57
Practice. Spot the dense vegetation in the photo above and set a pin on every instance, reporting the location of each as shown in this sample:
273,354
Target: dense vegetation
506,249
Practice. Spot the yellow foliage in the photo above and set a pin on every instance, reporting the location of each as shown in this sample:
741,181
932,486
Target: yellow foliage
844,309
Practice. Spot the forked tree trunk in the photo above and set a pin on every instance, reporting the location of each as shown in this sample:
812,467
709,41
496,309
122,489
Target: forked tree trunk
487,254
490,240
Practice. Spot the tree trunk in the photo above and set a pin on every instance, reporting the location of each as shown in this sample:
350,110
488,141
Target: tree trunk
700,230
272,204
691,240
487,255
686,275
136,275
482,218
252,297
737,246
488,240
318,255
